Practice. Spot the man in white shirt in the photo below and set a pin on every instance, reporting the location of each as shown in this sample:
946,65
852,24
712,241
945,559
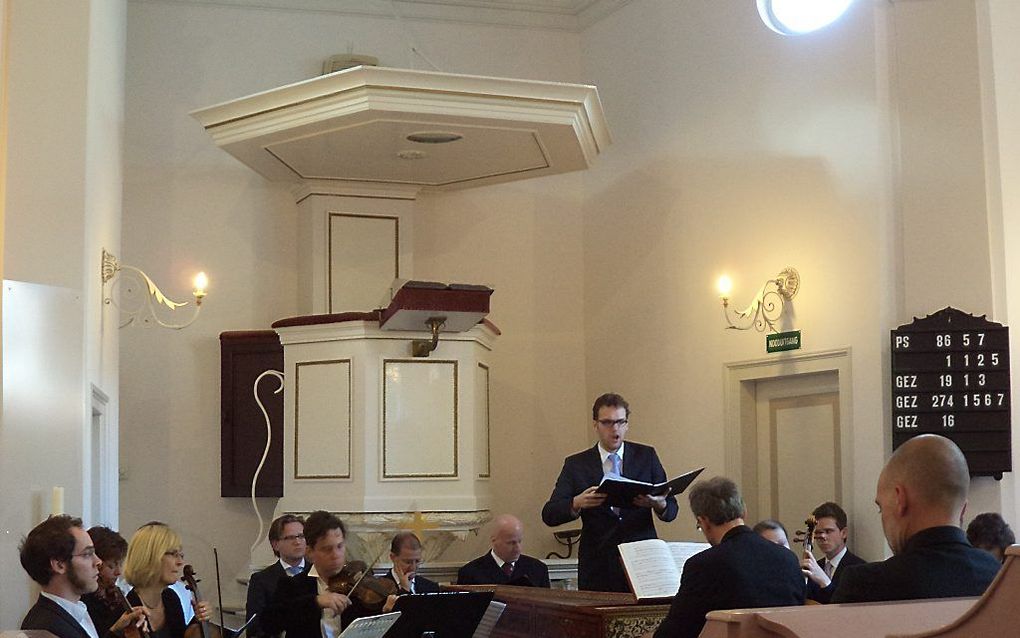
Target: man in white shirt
405,553
830,537
59,555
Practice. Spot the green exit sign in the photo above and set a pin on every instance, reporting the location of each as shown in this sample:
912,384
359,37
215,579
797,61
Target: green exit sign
783,341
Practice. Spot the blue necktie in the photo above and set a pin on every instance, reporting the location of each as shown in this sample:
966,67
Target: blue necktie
614,461
294,570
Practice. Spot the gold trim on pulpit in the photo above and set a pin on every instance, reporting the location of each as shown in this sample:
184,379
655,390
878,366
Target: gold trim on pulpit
323,444
391,370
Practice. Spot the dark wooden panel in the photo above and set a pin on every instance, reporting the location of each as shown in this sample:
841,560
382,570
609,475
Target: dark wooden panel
244,355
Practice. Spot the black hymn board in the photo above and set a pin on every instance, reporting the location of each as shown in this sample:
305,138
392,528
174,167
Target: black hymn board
950,376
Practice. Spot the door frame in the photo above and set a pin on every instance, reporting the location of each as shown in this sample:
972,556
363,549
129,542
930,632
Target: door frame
740,409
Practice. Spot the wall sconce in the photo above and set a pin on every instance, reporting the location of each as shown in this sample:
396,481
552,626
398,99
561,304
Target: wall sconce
767,307
143,309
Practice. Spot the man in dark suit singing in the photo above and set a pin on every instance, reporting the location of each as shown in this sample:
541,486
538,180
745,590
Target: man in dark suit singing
59,555
504,563
405,554
740,570
603,528
830,537
287,538
922,496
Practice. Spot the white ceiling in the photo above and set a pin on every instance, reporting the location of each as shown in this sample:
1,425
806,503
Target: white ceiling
570,15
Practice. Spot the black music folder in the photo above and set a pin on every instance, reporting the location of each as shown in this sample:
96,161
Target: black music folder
453,614
621,491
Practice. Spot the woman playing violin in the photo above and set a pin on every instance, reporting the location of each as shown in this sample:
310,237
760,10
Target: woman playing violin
155,561
104,604
310,605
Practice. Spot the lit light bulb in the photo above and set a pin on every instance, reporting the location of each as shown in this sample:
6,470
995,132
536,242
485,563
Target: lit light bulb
201,282
724,285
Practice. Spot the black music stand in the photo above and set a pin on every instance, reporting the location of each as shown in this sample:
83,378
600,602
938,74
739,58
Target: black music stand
453,614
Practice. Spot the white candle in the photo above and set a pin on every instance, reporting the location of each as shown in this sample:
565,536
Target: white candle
57,501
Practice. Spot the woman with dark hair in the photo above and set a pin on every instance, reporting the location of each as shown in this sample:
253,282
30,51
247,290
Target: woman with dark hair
105,605
991,533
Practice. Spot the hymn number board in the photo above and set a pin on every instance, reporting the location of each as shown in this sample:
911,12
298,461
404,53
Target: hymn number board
950,376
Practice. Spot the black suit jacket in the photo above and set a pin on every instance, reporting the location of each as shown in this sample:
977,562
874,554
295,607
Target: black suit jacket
744,570
293,609
937,562
484,571
261,587
824,594
48,615
422,585
598,559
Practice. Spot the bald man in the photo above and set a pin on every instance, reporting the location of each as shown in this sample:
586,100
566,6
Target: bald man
505,563
922,495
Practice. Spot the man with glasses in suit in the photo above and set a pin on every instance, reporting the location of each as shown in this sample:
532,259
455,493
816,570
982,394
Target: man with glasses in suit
603,527
287,538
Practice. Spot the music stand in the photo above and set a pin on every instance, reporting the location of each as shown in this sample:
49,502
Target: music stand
453,614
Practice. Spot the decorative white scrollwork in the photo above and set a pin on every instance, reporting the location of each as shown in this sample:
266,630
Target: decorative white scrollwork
767,306
139,299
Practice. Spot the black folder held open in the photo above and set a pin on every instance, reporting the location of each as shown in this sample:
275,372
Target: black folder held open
621,491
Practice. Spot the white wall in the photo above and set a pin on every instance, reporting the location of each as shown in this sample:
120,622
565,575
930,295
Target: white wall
62,201
189,205
738,151
999,21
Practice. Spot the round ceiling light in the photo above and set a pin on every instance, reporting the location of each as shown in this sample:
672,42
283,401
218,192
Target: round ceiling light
434,137
797,17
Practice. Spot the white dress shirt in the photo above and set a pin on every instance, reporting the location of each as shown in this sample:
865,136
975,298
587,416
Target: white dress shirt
78,611
330,622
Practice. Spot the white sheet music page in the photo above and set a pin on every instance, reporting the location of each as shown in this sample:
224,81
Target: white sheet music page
650,568
489,619
370,626
682,551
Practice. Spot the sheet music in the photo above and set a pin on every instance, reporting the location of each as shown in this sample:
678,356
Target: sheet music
489,620
682,551
370,626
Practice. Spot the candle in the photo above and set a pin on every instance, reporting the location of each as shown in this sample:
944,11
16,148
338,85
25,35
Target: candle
57,501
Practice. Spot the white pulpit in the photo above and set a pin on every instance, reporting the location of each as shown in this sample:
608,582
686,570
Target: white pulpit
373,434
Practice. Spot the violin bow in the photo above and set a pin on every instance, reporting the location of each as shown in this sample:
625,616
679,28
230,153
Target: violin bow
219,591
368,570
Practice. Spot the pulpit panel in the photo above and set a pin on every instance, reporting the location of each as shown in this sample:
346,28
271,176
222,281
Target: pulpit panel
322,420
419,419
482,447
363,260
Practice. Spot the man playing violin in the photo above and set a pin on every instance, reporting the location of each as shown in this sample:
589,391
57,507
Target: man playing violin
405,553
59,555
305,606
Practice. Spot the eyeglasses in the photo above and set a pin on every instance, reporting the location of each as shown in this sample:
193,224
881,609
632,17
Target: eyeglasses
177,554
611,422
88,553
293,537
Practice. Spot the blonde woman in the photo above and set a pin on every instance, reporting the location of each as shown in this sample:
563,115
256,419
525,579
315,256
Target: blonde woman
155,560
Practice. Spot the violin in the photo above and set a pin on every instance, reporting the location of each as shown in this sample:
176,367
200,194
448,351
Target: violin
146,629
192,585
356,582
